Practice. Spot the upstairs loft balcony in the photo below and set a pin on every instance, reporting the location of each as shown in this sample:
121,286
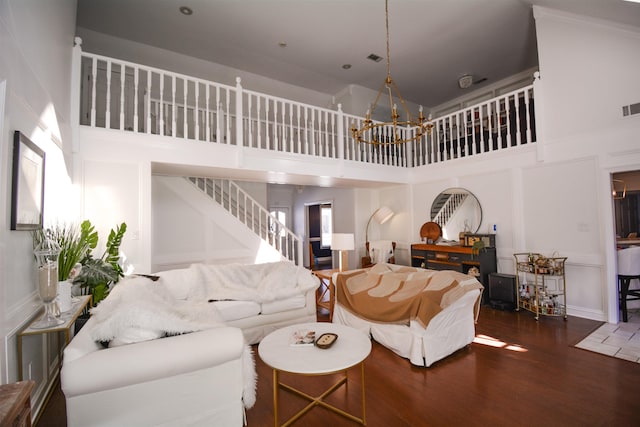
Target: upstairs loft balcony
129,97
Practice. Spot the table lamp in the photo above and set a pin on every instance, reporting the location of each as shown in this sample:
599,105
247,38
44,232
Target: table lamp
343,242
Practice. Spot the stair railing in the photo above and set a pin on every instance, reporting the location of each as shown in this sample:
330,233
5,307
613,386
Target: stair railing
449,209
252,214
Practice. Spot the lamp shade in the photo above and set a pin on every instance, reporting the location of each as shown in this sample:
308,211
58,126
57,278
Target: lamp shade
342,242
383,214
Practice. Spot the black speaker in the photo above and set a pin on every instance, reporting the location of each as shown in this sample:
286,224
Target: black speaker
502,291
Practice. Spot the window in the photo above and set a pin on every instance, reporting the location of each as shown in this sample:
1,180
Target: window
320,225
326,225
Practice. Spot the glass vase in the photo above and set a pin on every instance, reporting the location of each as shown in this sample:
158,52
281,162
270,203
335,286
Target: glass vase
47,275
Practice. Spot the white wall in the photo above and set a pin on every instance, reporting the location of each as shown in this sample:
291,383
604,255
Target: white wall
257,190
36,40
588,72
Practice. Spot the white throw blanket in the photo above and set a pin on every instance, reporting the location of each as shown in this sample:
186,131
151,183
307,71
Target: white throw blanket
139,309
257,282
380,251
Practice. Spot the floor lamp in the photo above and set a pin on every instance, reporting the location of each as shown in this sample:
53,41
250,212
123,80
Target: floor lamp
343,242
381,215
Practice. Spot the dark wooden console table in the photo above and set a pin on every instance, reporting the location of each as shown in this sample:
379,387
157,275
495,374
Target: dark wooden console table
455,257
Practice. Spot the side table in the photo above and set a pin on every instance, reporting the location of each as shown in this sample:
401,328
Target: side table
351,349
326,285
15,404
69,317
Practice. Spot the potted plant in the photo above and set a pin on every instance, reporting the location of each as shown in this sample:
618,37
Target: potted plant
97,275
74,244
478,245
76,261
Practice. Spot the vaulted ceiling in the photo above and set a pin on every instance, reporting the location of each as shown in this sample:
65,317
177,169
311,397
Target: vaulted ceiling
307,42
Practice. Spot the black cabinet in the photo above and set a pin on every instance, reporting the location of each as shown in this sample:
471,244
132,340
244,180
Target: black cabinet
502,291
457,258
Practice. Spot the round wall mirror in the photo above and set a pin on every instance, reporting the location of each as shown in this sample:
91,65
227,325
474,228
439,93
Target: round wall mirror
456,210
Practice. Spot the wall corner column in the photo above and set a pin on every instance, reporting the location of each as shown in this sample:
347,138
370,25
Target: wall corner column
538,93
76,77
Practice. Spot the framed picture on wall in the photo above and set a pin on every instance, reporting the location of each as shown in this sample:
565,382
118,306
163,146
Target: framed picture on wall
27,188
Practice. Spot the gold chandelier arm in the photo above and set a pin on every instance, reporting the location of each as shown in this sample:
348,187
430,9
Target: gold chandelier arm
402,102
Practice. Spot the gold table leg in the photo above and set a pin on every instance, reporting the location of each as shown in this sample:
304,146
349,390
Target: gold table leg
276,381
316,401
364,420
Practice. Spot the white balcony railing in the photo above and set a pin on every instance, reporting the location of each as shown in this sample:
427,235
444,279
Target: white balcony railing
130,97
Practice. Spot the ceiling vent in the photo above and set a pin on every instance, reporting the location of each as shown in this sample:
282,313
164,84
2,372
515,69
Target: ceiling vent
465,81
374,57
629,110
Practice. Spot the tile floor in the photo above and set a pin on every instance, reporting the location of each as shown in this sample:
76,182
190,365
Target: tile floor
621,340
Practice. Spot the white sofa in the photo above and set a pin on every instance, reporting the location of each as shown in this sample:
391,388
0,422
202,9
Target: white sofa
206,377
257,298
185,380
451,329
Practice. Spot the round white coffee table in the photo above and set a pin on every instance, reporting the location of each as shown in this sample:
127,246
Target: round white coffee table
350,349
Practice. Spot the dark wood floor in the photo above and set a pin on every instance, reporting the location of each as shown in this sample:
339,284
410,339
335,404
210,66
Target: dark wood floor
531,376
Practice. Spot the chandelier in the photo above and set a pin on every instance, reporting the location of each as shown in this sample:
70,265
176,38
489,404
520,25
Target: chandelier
395,131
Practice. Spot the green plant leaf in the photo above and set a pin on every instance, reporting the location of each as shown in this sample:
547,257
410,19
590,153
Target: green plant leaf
477,246
88,235
96,272
99,293
112,251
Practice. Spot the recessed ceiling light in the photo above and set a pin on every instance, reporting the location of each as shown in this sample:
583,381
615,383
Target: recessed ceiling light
346,66
186,10
374,57
282,44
